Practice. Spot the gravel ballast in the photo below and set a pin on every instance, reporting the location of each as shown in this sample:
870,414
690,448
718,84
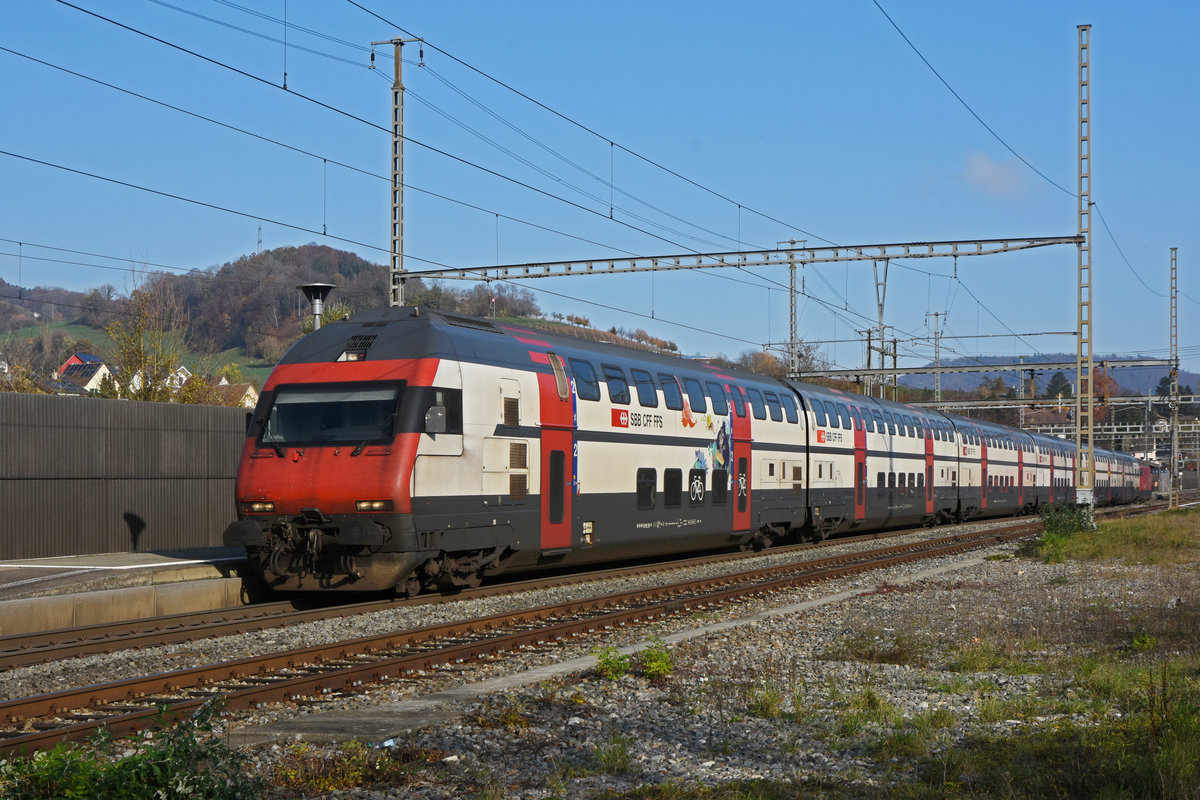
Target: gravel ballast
763,690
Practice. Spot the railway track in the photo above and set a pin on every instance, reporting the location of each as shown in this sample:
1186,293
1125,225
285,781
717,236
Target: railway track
38,648
309,674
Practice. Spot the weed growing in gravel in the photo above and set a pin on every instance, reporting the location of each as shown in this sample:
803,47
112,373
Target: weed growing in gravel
765,699
612,755
183,761
351,765
874,647
500,712
655,661
610,664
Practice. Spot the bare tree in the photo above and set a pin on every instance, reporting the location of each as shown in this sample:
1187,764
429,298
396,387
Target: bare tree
149,342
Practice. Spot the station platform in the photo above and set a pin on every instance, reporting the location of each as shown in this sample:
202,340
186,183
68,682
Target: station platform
69,591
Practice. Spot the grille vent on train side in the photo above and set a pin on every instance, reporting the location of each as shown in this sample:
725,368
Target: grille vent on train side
360,343
512,412
518,487
518,455
468,322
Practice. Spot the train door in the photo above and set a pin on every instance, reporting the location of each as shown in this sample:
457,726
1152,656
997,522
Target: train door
557,419
1020,477
928,470
740,471
860,466
983,474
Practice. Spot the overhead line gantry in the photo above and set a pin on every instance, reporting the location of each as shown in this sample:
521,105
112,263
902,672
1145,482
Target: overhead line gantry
778,257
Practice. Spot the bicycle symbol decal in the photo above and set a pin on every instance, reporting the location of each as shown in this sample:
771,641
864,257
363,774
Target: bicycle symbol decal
697,490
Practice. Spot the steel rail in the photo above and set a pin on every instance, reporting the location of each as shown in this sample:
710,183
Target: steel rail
348,671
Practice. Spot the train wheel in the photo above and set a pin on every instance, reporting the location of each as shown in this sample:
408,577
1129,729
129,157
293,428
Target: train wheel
409,588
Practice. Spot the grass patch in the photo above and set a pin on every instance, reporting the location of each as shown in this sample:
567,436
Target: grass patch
183,760
1167,538
352,765
873,647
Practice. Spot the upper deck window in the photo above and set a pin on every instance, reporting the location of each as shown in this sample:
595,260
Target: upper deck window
332,414
695,393
671,394
789,408
756,404
618,387
818,410
586,385
739,401
720,404
647,394
774,406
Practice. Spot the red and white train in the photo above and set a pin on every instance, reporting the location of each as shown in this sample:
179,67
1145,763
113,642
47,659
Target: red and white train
414,449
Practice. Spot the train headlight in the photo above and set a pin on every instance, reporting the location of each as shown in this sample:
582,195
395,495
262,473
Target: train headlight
373,505
258,507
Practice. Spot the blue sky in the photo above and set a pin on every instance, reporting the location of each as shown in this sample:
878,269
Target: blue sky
788,120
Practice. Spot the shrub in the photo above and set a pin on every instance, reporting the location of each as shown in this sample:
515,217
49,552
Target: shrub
184,762
610,663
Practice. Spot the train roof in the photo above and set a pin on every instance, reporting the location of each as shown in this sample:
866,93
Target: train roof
412,332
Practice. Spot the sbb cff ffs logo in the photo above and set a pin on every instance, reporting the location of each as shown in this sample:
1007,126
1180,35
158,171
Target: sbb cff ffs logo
620,418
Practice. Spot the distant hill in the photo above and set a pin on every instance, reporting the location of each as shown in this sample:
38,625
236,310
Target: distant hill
1132,380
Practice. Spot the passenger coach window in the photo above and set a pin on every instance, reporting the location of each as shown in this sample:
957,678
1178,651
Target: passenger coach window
818,410
868,422
879,426
789,408
586,386
647,480
720,487
739,402
720,405
672,487
844,414
671,394
647,394
618,388
756,404
695,393
773,405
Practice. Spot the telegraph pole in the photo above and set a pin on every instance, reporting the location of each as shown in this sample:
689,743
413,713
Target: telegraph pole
396,297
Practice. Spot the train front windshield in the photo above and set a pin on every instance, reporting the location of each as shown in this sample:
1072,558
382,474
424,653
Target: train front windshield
303,415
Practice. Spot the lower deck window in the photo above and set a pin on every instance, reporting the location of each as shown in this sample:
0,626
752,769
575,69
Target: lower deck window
647,481
720,487
672,487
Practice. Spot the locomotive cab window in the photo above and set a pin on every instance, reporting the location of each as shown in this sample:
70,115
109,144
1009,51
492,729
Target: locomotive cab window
354,414
442,411
618,388
586,385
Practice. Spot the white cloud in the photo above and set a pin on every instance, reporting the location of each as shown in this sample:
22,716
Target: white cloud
996,178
